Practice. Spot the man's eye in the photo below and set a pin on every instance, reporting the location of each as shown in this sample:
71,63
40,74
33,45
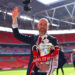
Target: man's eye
45,24
40,23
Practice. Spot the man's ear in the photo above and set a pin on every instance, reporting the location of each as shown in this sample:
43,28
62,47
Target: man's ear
37,26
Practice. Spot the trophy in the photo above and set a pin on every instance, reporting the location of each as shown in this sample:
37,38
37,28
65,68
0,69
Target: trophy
45,48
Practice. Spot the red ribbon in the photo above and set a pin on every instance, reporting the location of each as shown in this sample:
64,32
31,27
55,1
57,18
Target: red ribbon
42,58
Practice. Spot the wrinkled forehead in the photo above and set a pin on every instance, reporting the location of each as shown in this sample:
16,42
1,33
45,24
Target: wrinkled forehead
43,21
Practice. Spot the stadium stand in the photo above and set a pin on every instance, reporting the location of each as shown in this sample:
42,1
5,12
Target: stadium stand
69,37
12,56
7,37
59,37
11,61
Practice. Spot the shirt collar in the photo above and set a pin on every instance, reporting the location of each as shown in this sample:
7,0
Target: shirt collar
44,36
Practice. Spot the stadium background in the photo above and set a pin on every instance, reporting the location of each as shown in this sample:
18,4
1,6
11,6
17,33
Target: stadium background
14,54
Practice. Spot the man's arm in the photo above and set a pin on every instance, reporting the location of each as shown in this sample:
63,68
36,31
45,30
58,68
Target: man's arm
23,38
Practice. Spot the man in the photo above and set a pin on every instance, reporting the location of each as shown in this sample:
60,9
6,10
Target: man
73,57
39,68
62,60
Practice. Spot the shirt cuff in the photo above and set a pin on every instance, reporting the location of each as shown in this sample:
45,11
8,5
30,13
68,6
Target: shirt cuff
14,25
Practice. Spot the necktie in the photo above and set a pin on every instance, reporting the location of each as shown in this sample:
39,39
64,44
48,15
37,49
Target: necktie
39,40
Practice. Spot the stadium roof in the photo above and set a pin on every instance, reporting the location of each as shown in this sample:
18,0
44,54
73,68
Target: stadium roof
61,15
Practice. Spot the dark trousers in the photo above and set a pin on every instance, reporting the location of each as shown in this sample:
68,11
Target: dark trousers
39,73
74,64
61,70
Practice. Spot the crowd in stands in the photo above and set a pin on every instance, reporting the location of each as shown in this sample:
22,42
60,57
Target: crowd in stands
13,50
7,38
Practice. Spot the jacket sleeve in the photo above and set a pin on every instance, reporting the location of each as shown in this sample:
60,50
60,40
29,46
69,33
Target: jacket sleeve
62,57
23,38
56,42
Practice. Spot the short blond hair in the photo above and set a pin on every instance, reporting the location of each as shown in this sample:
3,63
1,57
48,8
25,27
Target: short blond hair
45,20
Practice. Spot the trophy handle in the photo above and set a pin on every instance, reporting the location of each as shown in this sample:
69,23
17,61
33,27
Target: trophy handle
35,48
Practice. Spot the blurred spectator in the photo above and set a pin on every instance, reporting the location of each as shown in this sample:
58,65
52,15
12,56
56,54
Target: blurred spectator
62,60
73,57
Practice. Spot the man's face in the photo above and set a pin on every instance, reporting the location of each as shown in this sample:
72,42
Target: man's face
42,26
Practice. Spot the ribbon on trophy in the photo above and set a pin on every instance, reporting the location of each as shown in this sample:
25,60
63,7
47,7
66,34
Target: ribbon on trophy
44,58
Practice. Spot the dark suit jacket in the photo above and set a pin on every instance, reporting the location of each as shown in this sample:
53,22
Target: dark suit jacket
62,59
31,40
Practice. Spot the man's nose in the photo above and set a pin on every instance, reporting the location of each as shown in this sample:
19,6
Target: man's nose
42,25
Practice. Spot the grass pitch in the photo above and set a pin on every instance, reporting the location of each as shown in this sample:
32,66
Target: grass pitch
68,70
